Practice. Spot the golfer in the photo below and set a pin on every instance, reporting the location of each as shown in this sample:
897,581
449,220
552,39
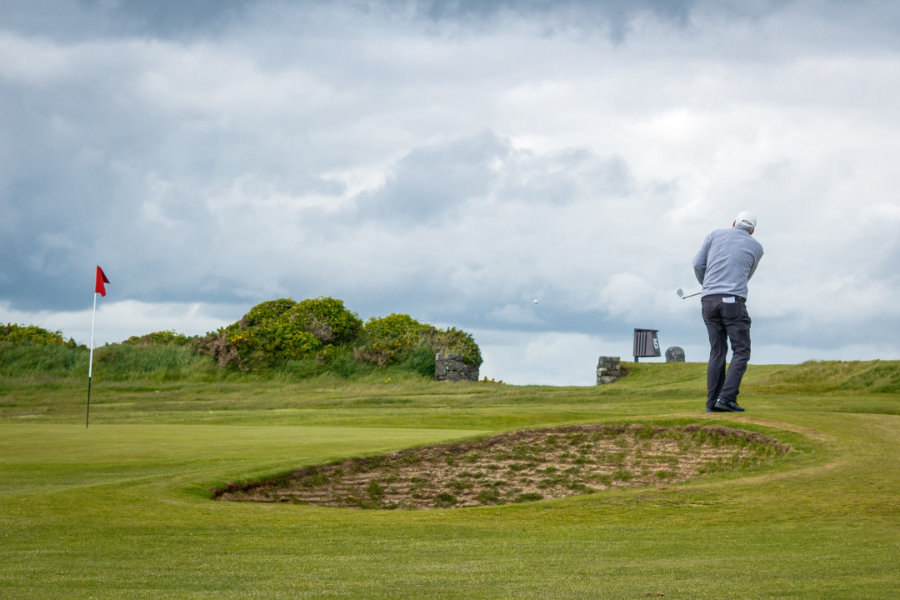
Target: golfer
726,262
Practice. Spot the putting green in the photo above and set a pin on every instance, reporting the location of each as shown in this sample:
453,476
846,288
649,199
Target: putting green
123,509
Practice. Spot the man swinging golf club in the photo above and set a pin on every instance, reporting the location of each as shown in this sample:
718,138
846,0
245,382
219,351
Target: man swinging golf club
725,263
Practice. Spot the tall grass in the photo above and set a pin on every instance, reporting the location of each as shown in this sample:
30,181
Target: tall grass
158,362
50,360
882,377
172,361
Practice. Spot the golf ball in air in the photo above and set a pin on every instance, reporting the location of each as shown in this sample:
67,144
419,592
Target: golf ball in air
535,300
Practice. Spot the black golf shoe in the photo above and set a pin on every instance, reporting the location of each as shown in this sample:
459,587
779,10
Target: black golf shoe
723,405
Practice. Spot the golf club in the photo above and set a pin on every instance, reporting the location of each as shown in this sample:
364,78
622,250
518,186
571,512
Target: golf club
681,295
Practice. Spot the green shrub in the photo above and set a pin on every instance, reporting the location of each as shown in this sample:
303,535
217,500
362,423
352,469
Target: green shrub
282,330
273,341
303,339
338,360
400,338
326,319
159,337
266,312
391,339
32,334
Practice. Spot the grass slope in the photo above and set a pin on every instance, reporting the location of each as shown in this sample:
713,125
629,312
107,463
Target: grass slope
122,509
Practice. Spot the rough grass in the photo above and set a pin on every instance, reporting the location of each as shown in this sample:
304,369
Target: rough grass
123,509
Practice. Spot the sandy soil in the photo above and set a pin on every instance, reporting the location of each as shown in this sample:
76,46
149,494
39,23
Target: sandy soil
518,466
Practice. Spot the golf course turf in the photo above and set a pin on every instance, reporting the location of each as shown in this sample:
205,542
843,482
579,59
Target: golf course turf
125,508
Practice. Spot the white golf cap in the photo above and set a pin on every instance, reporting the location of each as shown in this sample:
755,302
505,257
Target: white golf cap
746,219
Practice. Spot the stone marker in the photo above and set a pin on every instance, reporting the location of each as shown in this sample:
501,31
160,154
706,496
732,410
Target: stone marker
608,369
674,354
450,367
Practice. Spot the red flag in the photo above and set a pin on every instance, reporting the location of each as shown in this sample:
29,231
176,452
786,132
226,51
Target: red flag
101,279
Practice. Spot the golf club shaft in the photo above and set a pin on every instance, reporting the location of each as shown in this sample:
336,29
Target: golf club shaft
691,295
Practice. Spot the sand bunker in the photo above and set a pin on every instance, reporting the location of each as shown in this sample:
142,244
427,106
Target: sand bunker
519,466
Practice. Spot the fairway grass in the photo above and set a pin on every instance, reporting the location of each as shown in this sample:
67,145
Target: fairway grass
122,509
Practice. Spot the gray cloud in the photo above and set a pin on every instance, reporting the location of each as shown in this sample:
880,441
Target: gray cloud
434,182
454,161
179,20
612,17
87,19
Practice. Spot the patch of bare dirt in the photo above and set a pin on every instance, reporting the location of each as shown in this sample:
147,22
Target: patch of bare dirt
520,466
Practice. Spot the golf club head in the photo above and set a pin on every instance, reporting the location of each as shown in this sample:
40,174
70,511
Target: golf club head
682,295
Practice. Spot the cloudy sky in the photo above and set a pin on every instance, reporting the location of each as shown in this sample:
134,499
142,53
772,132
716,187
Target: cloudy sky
454,161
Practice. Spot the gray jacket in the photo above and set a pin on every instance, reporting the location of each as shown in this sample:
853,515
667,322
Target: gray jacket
726,261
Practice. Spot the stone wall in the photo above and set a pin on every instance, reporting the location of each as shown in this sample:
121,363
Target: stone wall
450,367
609,369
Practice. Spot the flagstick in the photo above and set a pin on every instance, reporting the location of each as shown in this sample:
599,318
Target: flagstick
87,417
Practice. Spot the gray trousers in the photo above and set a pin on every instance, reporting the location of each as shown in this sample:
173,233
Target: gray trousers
726,321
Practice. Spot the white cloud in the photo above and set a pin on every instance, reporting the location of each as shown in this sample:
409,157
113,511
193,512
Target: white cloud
117,321
545,358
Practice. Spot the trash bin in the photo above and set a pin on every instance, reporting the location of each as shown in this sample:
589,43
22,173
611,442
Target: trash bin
646,343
